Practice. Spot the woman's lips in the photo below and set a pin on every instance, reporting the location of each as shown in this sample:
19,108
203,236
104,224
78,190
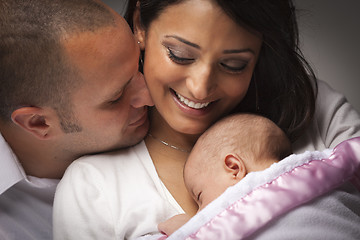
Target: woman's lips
190,103
191,107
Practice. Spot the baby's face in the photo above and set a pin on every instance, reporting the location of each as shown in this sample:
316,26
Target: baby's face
205,183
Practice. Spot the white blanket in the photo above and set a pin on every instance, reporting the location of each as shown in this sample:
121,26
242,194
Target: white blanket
304,196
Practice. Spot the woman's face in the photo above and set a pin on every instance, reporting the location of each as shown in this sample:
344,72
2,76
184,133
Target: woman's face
198,64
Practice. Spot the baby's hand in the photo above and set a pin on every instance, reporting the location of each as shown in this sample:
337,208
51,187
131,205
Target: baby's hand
172,224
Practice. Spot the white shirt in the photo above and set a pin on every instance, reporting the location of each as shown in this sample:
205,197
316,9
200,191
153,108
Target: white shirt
112,196
335,120
25,201
120,196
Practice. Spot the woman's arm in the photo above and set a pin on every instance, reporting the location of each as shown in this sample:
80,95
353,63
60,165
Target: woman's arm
335,120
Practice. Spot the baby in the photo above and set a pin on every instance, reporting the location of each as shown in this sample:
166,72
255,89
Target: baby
224,154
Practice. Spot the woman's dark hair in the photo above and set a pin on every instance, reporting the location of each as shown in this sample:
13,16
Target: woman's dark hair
284,86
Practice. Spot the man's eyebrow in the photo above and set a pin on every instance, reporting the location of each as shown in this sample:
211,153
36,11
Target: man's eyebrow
183,41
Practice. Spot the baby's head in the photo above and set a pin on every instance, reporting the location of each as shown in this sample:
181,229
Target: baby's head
227,151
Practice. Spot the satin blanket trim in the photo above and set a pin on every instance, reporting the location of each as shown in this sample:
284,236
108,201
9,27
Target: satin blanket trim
262,196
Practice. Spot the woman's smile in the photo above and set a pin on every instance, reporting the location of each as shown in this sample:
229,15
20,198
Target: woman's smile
191,104
192,107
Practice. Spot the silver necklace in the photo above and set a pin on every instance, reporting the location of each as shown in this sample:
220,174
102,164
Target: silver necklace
168,144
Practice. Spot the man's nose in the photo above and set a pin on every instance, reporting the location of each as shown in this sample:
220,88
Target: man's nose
140,95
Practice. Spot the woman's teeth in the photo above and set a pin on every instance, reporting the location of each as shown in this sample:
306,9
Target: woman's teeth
191,104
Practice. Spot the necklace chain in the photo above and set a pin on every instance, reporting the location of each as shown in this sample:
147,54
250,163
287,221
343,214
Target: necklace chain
168,144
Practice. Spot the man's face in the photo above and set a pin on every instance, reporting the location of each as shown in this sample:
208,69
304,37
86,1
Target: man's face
110,103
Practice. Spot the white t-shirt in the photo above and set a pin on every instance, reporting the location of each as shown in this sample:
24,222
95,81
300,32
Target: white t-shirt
335,120
25,201
120,196
123,191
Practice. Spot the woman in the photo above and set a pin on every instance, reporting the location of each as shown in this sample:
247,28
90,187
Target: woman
203,59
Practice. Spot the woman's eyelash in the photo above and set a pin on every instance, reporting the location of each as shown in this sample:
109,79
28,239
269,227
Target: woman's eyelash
177,59
183,61
233,69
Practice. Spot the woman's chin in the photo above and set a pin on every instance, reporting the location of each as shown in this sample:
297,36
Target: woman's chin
191,130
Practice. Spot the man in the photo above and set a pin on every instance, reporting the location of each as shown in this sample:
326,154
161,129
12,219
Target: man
69,86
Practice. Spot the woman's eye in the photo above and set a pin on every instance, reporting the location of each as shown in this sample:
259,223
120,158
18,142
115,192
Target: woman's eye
234,66
175,57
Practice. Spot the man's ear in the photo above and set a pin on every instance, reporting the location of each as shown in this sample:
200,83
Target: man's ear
235,165
139,30
32,120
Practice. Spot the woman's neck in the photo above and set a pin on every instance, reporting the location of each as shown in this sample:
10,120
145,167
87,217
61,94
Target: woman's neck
160,130
169,161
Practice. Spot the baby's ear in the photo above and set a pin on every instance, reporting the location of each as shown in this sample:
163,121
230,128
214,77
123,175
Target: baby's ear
234,165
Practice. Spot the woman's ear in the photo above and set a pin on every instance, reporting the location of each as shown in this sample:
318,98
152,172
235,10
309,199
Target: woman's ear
32,120
139,30
234,165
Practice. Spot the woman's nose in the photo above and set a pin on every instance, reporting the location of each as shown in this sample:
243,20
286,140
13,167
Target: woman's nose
201,82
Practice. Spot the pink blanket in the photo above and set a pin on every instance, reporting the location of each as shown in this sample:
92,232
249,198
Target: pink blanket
255,206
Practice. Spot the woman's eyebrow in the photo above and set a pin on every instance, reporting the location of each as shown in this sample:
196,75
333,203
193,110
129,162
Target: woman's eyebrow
183,41
198,47
239,51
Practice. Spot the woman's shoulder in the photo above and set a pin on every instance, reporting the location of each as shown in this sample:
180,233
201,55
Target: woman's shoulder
325,91
112,161
334,114
112,170
335,120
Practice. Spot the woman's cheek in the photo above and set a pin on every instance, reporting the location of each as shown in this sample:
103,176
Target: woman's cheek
236,88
